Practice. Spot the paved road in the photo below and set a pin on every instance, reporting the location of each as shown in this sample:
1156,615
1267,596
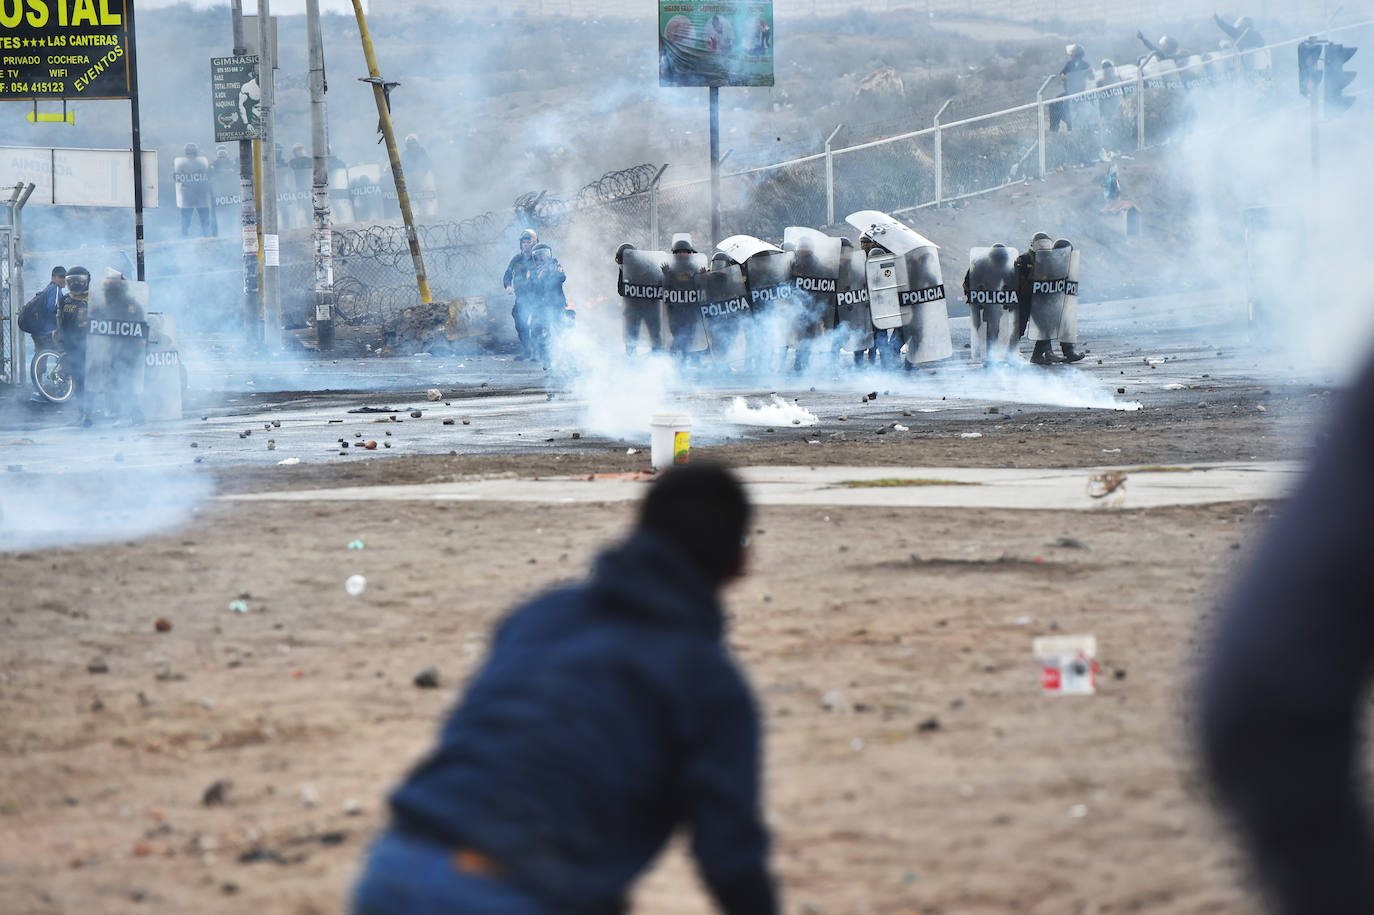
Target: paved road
303,407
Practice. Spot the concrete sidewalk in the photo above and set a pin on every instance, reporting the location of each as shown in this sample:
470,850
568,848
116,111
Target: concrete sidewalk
913,487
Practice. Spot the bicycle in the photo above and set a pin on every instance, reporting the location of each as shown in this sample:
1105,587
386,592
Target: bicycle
47,371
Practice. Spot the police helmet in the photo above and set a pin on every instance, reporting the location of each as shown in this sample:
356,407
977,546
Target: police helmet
1074,50
683,245
845,242
1040,236
1168,46
1063,243
1107,64
78,280
720,259
530,234
999,255
620,252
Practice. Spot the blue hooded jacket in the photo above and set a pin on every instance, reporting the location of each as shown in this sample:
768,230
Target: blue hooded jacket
605,716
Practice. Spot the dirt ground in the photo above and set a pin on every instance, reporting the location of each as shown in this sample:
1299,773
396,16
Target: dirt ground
940,781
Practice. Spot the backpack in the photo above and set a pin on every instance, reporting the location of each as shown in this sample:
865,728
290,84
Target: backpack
35,317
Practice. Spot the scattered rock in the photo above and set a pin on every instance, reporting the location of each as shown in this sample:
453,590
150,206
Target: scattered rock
261,854
447,422
352,807
467,422
427,677
930,724
577,435
309,796
1070,543
833,701
163,624
217,794
371,445
1121,390
98,666
1119,673
434,394
415,414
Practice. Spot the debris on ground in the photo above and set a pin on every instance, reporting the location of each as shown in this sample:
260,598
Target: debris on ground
217,794
434,394
98,666
355,585
163,624
427,677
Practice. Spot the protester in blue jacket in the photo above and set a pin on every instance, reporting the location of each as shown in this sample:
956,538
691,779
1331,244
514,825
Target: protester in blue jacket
607,715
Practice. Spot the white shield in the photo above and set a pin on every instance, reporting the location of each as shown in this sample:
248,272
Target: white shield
740,248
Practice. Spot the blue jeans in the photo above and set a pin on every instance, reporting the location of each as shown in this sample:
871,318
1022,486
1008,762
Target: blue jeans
410,876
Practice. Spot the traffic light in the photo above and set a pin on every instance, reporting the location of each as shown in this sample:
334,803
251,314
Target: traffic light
1336,79
1309,66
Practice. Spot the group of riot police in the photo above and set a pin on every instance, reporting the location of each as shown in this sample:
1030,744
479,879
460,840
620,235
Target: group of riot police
883,302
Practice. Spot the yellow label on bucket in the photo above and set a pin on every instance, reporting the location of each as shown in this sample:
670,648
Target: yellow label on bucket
682,446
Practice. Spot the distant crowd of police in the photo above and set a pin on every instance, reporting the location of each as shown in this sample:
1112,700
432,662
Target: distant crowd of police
774,308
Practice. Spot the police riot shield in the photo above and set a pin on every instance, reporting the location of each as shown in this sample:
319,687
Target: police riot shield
682,298
642,293
117,338
1068,324
924,313
772,297
162,371
191,175
854,322
888,279
726,306
739,248
1049,280
992,303
815,273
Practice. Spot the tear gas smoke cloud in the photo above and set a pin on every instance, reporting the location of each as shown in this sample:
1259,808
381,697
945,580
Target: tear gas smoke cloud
776,412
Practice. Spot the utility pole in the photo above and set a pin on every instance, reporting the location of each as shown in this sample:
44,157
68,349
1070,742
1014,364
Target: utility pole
714,105
248,213
136,136
384,118
271,248
319,182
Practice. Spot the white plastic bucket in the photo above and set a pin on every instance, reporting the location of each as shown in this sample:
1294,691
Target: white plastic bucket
1068,664
671,439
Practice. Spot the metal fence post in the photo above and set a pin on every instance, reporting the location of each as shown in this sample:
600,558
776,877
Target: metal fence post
830,178
653,209
940,155
1140,109
1040,121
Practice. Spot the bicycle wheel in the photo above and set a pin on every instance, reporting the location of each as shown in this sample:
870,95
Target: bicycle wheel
49,377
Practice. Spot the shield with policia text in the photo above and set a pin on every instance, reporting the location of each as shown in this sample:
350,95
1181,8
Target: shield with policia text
642,293
992,303
1049,282
854,321
815,272
905,286
726,307
117,336
682,298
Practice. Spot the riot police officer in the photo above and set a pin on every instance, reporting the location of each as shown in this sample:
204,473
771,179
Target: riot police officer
684,294
72,325
517,280
548,314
